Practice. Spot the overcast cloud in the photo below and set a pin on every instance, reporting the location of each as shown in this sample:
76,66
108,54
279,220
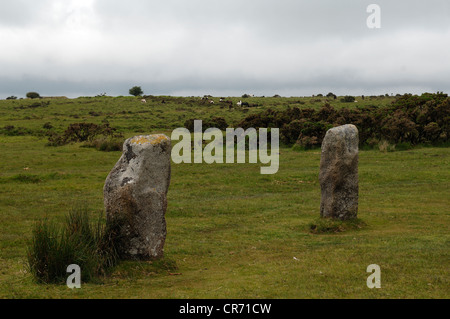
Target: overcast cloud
197,47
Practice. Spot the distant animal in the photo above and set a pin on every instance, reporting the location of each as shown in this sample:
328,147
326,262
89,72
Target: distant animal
143,101
239,103
211,102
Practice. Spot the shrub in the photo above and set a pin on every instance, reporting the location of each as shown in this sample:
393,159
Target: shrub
432,131
308,142
409,120
33,95
189,124
219,122
11,130
39,104
291,131
316,129
327,113
79,241
83,132
348,99
398,128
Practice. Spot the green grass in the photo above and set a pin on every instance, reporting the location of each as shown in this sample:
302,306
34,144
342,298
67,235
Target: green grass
129,115
328,225
231,232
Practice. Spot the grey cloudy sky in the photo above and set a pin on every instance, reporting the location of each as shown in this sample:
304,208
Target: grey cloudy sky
224,48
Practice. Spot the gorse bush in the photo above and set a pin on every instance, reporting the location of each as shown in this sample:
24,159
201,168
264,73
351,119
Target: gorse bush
79,241
408,121
83,132
348,99
11,130
39,104
217,122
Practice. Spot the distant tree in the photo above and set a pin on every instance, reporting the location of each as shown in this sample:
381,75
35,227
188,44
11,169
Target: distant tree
33,95
12,97
136,91
332,95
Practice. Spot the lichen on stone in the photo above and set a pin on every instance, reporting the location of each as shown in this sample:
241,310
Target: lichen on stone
152,139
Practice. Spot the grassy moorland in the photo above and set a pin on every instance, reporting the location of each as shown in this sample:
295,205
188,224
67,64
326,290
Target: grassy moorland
232,232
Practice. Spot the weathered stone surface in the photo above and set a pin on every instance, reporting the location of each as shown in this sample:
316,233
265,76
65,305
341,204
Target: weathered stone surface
135,196
339,173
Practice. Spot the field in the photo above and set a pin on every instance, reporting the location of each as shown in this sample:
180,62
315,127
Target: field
231,232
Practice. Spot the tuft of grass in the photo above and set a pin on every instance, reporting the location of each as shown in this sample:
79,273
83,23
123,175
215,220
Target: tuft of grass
384,146
329,225
79,241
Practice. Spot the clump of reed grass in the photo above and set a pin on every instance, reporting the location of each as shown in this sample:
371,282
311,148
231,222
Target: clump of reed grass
78,241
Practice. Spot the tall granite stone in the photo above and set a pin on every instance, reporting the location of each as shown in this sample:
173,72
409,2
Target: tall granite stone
339,173
135,197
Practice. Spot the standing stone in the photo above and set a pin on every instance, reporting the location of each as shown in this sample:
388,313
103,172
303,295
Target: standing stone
339,173
135,197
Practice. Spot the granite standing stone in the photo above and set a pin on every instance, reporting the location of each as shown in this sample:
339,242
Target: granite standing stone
135,197
339,173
